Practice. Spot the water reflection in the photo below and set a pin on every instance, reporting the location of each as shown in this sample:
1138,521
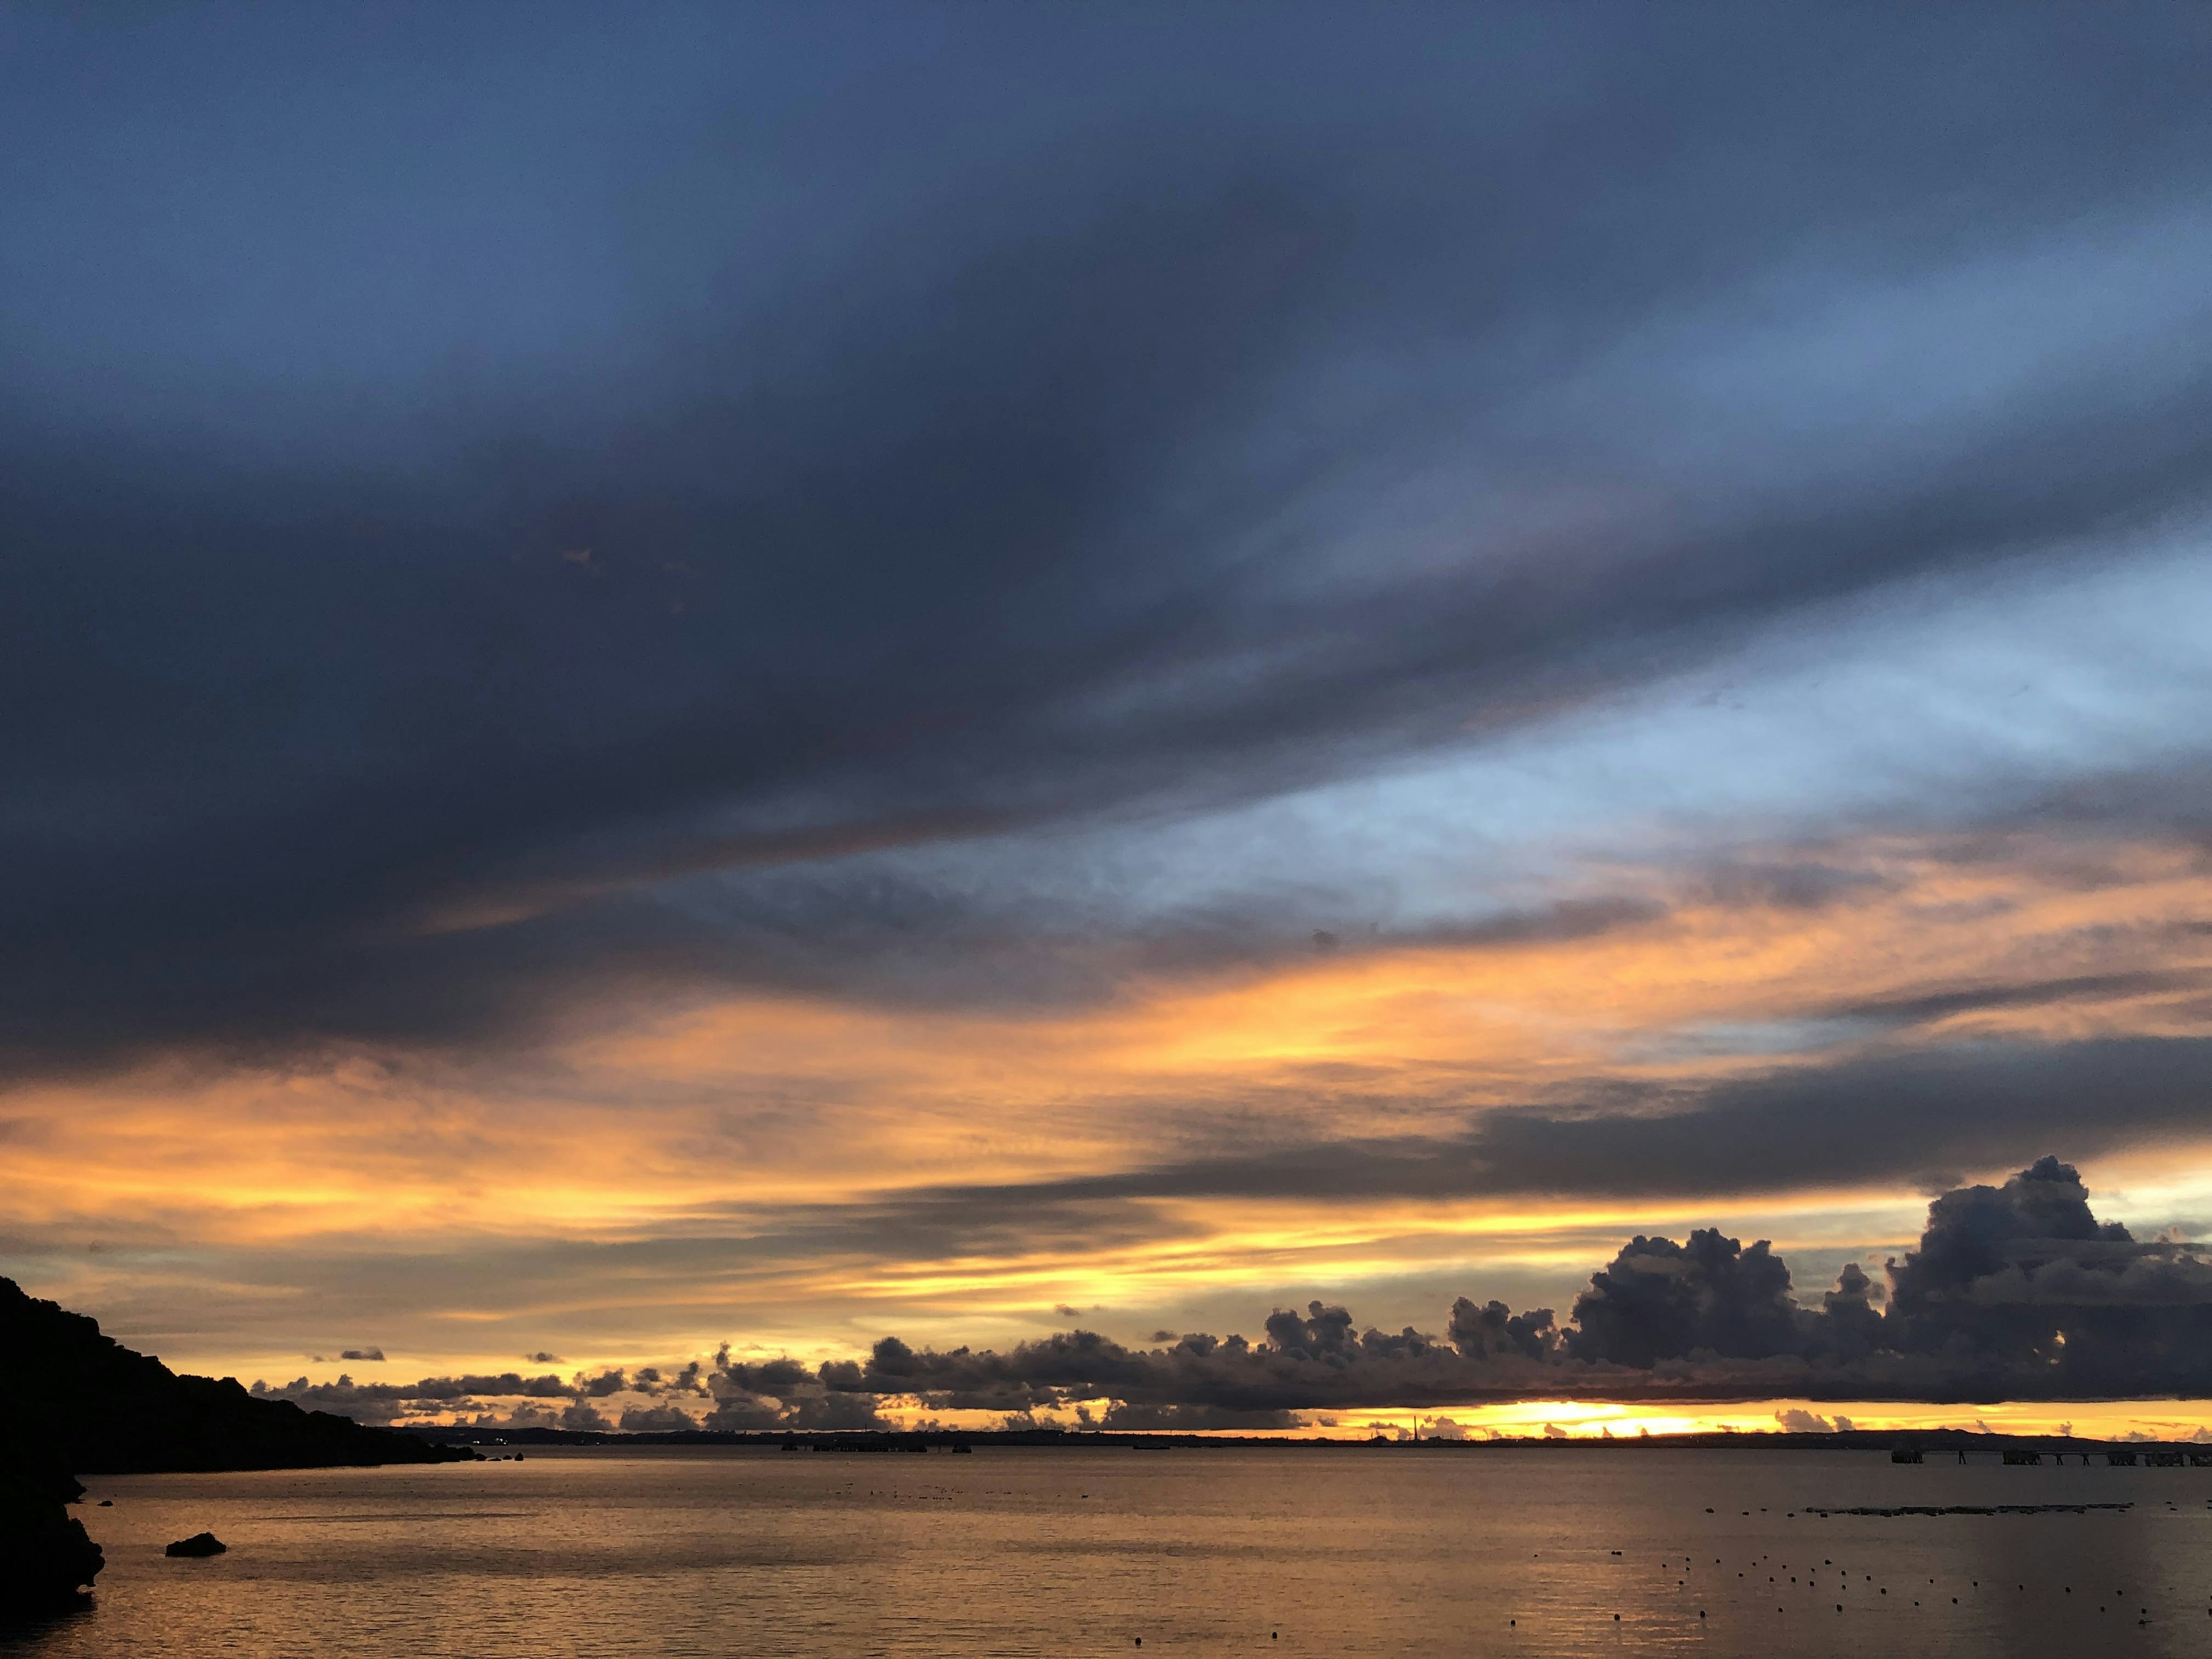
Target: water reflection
1346,1550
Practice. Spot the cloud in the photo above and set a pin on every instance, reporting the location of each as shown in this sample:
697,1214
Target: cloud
2015,1293
1238,580
1795,1419
1861,1118
1661,1300
387,1402
1125,447
779,1393
2076,989
2025,1275
376,1354
656,1419
1494,1328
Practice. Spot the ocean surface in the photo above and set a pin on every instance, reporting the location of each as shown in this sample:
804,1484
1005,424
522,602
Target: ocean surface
1350,1550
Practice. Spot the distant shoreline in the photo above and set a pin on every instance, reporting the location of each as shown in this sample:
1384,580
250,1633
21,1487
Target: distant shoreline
1925,1441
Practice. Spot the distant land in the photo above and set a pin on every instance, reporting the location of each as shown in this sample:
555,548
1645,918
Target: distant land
73,1401
1931,1444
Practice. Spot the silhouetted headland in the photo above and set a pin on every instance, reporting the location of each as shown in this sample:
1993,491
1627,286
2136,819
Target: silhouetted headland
73,1401
104,1409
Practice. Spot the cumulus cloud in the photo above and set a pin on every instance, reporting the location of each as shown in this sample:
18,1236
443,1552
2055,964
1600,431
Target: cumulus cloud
1795,1419
2025,1276
2016,1292
1659,1300
656,1419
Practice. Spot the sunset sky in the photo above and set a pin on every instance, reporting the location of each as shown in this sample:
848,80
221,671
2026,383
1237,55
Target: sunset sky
776,676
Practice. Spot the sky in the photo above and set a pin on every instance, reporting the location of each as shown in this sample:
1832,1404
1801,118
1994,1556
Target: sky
707,685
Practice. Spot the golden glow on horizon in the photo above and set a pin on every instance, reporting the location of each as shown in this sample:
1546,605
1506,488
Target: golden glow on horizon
1596,1419
2163,1419
755,1125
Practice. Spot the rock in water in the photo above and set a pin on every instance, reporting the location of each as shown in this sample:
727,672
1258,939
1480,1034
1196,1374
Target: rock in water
46,1560
200,1543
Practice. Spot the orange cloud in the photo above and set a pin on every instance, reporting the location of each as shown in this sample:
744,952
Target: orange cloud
756,1116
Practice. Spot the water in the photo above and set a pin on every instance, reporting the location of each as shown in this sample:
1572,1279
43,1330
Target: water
1018,1550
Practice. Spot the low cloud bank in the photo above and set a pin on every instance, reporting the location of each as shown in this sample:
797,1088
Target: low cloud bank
2015,1293
723,1394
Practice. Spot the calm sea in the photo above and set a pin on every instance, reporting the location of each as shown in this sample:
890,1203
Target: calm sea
1352,1551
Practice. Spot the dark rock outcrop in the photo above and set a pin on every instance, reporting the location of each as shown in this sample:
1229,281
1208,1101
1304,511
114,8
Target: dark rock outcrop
46,1561
100,1408
200,1543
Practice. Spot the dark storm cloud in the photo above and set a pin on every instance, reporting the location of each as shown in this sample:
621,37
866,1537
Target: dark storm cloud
1494,1329
1660,1300
540,461
1869,1119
